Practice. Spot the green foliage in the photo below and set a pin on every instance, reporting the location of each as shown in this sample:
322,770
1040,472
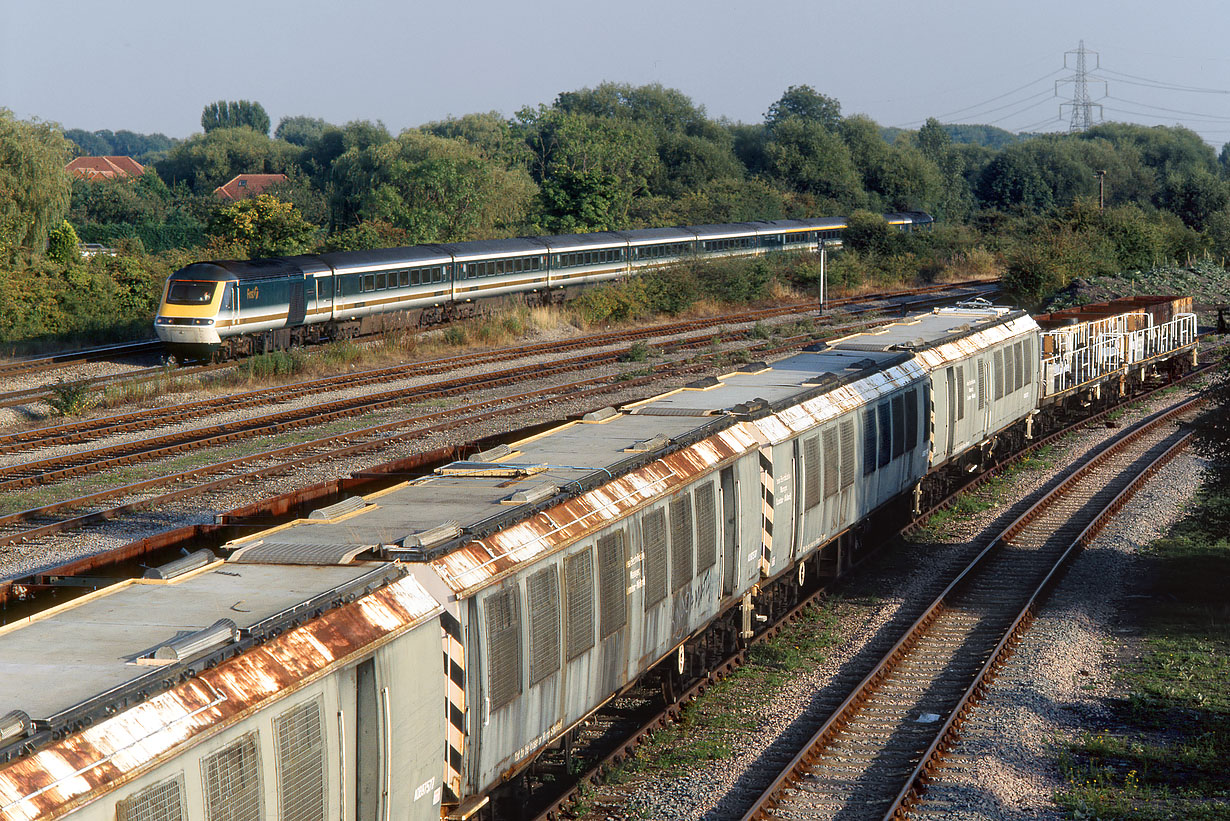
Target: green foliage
807,104
808,156
435,189
275,364
104,143
235,114
69,398
300,131
265,226
367,235
62,244
866,231
733,281
34,188
205,161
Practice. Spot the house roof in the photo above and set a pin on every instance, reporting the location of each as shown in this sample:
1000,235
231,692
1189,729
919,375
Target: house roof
89,168
243,186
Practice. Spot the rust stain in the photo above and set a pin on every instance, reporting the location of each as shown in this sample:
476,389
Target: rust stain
91,763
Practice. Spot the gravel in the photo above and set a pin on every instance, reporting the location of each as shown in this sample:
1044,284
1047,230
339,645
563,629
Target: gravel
878,604
1057,682
52,550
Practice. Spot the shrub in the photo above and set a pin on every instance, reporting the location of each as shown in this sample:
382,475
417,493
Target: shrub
69,398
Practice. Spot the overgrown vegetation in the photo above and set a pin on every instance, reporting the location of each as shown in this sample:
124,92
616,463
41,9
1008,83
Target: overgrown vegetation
1165,755
611,157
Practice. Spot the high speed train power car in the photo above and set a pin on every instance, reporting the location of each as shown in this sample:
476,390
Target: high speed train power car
410,654
253,306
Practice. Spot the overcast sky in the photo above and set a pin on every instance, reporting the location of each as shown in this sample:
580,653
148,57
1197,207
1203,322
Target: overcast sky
152,66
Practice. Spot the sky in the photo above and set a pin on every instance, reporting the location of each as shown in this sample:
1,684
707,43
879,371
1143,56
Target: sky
152,66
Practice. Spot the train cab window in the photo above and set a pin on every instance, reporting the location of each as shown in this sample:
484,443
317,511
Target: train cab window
191,292
228,297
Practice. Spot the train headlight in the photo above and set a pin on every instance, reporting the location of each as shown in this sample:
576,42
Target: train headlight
202,322
162,320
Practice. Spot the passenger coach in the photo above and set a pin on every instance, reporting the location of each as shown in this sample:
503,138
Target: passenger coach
235,307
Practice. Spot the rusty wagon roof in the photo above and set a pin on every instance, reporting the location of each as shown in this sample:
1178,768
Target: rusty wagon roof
73,770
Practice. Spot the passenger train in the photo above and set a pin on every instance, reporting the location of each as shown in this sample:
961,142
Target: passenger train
228,308
410,653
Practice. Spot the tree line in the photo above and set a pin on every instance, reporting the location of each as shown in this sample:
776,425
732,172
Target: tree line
621,156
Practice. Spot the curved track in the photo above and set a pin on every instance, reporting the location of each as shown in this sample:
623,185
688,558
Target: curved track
872,756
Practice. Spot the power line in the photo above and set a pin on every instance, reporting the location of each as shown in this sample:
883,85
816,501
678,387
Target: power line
1169,110
996,98
1151,83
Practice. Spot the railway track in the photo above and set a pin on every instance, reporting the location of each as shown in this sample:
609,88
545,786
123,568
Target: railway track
873,755
904,300
28,366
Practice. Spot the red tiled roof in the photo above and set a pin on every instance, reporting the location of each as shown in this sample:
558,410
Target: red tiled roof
91,168
247,185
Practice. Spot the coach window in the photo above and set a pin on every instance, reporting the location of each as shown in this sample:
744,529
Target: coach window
381,282
403,278
369,282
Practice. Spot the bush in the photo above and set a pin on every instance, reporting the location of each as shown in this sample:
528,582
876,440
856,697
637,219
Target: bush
69,398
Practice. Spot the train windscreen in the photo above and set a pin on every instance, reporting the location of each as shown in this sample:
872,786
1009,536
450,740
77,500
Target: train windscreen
189,292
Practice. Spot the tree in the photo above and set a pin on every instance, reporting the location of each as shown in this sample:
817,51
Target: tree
300,131
435,189
62,244
607,162
34,188
866,231
809,157
235,114
1195,196
205,161
933,140
265,226
807,104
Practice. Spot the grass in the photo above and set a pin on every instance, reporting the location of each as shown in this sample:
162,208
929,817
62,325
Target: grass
709,727
1166,755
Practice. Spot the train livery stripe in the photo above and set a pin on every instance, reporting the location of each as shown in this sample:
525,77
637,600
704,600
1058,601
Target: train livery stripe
455,702
766,510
